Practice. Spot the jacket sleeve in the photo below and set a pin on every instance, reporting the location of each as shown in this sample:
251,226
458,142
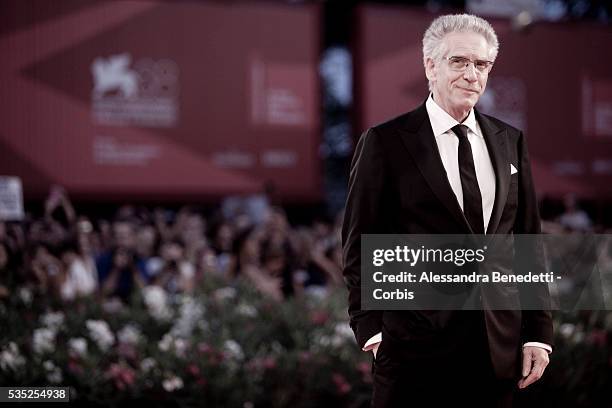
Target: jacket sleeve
536,324
363,215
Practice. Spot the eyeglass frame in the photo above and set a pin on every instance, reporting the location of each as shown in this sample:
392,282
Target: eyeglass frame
486,70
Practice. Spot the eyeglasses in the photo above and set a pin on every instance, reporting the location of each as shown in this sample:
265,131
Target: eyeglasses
461,64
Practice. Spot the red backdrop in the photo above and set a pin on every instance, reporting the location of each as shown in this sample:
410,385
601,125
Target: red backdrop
553,81
159,99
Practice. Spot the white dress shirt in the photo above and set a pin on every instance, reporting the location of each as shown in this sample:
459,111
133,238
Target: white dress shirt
448,147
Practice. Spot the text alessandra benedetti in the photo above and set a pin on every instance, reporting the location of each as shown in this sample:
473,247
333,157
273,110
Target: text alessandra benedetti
494,277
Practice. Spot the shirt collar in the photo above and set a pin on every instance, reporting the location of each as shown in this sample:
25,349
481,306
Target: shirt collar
442,122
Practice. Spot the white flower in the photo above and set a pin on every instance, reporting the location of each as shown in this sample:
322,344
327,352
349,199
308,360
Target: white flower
78,346
233,349
326,341
315,294
147,364
246,310
169,341
566,330
53,320
173,383
323,341
277,348
10,358
156,300
130,334
25,295
190,314
342,334
226,293
180,347
43,340
49,365
112,305
337,339
54,374
578,337
165,343
100,333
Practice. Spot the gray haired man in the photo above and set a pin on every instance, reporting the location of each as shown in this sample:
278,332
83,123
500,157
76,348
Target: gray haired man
445,168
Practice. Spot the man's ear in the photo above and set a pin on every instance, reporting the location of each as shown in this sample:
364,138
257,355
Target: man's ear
430,69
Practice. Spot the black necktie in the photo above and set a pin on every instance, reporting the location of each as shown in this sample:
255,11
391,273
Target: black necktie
472,200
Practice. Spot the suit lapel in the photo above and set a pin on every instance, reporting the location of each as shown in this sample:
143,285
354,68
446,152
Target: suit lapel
419,139
495,139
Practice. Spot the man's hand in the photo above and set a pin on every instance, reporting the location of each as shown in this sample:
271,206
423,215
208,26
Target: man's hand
535,360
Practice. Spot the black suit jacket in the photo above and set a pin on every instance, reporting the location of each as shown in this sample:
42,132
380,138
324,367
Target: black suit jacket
398,185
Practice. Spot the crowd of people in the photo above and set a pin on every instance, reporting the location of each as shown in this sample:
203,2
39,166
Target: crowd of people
67,255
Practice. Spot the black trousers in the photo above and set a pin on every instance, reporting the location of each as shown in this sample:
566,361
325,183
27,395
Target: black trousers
453,371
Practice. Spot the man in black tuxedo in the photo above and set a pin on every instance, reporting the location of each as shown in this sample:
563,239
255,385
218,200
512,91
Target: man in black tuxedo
445,168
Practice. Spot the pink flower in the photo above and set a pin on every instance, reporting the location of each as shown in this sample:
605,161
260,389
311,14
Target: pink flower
366,371
305,356
122,375
127,350
74,367
217,357
193,370
259,364
269,363
319,317
204,348
598,337
342,386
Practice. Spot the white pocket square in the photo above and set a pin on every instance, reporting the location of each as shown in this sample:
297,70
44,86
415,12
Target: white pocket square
513,169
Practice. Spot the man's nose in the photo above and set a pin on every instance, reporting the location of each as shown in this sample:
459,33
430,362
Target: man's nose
470,73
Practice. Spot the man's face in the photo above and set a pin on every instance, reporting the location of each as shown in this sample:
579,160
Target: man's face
458,91
124,235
